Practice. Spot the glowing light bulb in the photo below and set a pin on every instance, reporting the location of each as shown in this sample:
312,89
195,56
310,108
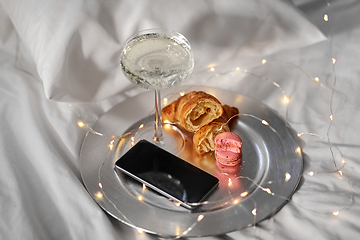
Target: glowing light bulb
100,185
140,231
254,211
81,124
244,194
165,101
343,161
316,79
182,93
141,126
331,117
300,134
336,213
229,182
239,99
177,204
200,217
263,61
287,177
286,99
111,145
333,60
140,198
267,190
237,69
212,69
236,201
298,150
264,122
326,17
178,231
311,173
99,195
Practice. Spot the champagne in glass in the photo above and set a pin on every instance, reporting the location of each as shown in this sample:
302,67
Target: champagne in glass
157,59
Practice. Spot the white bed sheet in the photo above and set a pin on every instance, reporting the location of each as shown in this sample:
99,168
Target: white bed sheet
42,195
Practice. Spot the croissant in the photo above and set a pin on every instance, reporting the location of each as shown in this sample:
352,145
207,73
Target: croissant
168,112
203,139
229,112
193,110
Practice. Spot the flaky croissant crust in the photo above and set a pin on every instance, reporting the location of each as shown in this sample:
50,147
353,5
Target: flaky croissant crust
193,110
203,139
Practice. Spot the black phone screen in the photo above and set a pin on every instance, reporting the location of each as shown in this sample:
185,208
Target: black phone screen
167,174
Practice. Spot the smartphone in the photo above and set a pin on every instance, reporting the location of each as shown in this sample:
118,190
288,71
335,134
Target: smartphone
167,174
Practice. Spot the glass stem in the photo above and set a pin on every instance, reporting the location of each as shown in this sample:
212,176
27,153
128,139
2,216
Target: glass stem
158,137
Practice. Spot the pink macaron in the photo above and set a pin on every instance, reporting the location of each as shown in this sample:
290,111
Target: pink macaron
228,151
228,158
228,141
229,169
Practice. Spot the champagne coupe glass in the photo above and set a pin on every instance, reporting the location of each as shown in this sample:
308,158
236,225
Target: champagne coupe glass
158,59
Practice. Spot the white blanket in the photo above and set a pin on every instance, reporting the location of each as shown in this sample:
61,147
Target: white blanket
59,65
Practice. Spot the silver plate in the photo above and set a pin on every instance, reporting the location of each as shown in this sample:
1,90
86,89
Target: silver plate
270,172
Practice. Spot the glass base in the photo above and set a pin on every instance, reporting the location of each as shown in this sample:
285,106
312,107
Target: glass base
173,140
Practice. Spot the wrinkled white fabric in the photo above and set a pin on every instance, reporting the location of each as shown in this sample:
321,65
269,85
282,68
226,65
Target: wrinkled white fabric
76,44
67,51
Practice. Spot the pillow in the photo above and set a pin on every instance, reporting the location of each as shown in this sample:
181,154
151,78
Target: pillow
76,43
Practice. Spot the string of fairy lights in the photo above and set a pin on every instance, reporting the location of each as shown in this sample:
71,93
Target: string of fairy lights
338,168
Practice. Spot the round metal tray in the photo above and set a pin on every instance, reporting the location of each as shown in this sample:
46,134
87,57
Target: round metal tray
270,172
